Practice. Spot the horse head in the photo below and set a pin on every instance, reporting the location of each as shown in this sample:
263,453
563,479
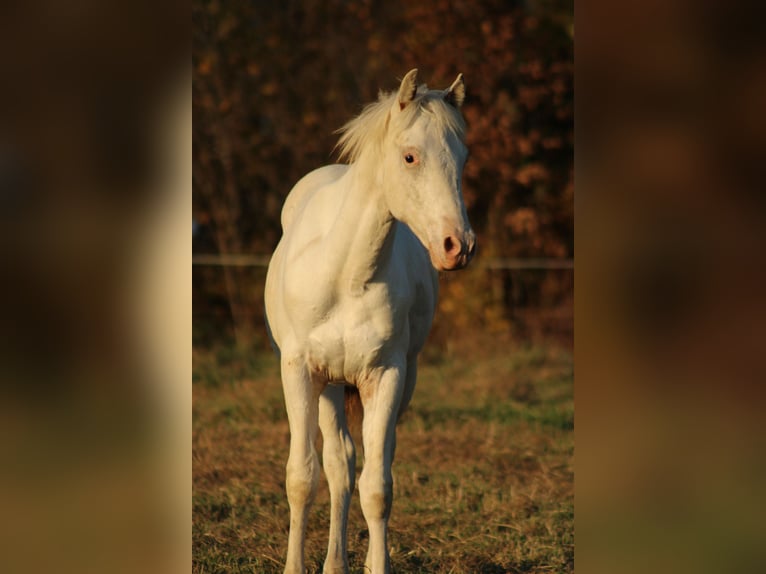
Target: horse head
422,164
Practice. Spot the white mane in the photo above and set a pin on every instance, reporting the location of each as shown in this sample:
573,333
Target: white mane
368,130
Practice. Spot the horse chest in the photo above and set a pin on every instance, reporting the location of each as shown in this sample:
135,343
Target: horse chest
358,335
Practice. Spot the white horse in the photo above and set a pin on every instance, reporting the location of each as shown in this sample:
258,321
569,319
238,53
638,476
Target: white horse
350,297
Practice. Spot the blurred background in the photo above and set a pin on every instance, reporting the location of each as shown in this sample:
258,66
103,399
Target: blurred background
273,81
95,201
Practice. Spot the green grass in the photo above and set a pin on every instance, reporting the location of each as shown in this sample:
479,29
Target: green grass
483,472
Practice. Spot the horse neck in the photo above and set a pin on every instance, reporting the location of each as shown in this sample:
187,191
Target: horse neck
365,227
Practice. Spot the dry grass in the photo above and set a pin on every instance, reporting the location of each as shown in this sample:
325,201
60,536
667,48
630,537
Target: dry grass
483,474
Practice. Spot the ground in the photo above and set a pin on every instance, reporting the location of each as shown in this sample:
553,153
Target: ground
483,476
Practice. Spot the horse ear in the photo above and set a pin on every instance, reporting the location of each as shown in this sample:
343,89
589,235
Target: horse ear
455,94
408,88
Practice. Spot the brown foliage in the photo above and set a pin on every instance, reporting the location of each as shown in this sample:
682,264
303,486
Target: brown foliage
273,81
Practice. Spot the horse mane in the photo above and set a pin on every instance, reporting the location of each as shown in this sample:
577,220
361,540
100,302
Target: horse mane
369,128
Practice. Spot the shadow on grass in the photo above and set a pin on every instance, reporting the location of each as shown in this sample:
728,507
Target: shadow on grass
469,565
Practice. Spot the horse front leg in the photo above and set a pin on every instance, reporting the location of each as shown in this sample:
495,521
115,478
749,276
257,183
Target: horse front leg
302,403
381,400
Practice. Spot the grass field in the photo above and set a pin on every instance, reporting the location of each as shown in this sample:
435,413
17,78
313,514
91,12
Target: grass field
483,476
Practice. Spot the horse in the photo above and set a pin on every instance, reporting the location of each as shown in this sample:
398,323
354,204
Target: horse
350,295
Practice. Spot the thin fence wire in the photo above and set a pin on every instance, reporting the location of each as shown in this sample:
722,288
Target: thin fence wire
231,260
245,260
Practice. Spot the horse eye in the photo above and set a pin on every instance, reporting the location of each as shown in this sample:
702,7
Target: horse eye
409,158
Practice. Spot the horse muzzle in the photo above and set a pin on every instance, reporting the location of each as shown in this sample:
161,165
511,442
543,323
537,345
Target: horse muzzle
457,251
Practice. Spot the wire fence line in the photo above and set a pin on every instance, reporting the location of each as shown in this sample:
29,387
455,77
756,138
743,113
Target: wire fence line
231,260
505,263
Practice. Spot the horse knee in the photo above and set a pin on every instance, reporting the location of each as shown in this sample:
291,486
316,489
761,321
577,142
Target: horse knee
376,497
376,505
302,481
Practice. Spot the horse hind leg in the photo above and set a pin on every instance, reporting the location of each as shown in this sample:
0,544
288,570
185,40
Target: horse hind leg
302,403
339,460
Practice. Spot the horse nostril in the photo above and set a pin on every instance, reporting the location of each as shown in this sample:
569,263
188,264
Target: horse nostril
450,245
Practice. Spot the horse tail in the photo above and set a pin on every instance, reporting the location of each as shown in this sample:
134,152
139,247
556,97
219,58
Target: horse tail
354,409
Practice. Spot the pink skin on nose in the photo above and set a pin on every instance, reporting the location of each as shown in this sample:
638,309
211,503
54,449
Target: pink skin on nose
456,253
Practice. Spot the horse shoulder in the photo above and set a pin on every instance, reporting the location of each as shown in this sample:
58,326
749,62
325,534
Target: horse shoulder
304,190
